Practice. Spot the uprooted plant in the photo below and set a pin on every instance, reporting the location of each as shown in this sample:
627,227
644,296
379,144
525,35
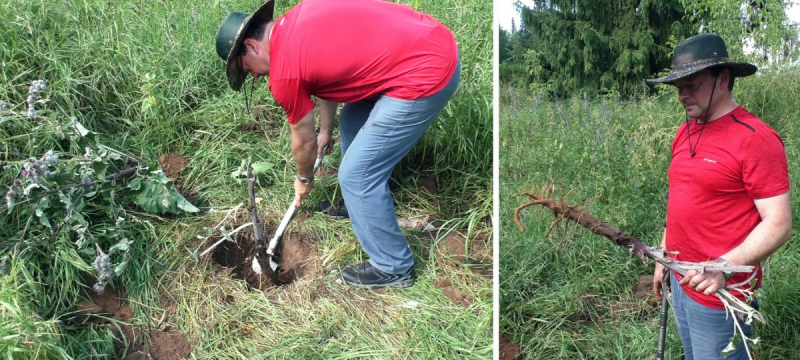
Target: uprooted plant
736,308
71,204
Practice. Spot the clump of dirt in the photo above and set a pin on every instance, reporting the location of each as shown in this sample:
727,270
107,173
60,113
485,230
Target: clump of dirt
172,164
457,296
131,342
643,290
428,184
508,349
474,253
109,304
643,305
325,171
299,258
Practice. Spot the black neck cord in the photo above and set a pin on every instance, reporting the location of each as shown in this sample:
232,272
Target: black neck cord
693,151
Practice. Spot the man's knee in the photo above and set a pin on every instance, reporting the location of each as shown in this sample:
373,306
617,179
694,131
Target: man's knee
347,180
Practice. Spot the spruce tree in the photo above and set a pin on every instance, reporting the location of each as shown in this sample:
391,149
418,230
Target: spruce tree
601,46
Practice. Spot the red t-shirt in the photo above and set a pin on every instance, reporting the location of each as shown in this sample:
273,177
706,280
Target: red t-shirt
710,208
347,51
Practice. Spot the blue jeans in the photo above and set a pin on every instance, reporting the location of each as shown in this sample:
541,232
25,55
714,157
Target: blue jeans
376,134
704,331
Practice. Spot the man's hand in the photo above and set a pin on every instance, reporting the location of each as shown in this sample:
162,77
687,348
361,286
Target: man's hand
708,282
327,111
324,143
658,277
301,191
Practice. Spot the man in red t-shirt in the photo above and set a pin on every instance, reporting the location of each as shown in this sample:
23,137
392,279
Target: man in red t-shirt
394,68
728,194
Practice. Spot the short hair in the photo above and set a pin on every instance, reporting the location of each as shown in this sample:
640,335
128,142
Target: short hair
716,70
256,31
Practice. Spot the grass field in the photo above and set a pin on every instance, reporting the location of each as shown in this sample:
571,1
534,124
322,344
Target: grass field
570,295
144,75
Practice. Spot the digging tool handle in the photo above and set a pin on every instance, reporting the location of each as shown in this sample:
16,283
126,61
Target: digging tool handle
289,214
662,326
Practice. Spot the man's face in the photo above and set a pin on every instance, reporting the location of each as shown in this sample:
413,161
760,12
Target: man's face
256,61
694,93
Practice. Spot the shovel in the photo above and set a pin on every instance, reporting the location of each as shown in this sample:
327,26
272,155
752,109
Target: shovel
273,252
662,326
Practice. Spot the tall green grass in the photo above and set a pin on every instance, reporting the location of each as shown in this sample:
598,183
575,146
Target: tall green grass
569,295
145,75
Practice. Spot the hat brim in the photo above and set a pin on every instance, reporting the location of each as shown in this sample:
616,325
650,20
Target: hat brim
235,75
738,69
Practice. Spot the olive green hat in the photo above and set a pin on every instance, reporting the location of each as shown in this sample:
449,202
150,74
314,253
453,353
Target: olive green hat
231,35
701,52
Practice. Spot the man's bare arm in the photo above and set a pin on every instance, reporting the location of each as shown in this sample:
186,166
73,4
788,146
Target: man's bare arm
304,144
770,234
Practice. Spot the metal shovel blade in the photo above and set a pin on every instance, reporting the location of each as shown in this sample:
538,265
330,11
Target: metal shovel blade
662,326
273,250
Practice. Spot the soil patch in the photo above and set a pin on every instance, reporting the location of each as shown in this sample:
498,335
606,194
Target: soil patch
508,349
475,253
299,258
428,184
455,295
326,171
172,164
643,290
131,342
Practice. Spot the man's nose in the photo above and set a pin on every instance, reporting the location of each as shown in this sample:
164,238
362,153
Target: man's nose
683,94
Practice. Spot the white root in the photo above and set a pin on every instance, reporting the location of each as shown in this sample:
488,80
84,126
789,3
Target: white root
225,238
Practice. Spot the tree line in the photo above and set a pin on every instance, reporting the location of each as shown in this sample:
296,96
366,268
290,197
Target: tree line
610,47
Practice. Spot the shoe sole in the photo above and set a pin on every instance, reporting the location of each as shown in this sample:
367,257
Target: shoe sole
400,284
336,217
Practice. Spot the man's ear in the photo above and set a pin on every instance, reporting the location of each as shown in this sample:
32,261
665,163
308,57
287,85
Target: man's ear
724,78
252,46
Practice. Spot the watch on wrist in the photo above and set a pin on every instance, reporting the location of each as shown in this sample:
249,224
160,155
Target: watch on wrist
305,180
728,274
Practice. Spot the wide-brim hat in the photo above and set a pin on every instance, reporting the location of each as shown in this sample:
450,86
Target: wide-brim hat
702,52
231,35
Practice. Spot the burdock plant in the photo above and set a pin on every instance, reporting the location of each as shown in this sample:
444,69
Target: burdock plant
74,202
33,95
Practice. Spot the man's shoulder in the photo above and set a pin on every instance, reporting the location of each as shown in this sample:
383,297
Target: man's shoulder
752,130
748,121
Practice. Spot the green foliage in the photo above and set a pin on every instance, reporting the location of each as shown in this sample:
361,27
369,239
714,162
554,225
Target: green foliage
611,47
63,208
513,47
23,333
600,47
155,193
762,24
